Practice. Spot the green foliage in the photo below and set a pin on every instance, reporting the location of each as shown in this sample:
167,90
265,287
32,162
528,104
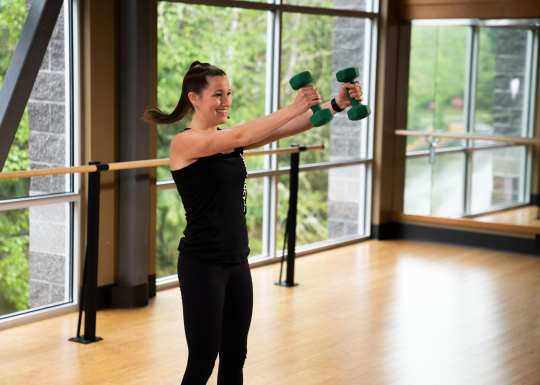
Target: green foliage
171,221
14,223
307,46
438,59
14,260
312,207
254,214
12,18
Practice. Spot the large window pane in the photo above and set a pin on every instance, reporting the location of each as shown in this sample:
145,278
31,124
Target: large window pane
357,5
501,82
43,139
437,189
323,45
35,243
417,199
233,39
330,204
346,201
170,224
448,185
311,220
35,257
438,62
498,177
254,215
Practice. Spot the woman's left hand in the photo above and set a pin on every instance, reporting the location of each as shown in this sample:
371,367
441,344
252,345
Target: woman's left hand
355,91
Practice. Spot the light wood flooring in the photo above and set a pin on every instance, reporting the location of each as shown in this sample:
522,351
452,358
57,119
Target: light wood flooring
377,312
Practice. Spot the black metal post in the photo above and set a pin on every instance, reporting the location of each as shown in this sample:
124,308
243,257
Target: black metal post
89,302
291,218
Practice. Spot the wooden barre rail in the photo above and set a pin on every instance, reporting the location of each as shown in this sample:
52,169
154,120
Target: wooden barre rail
138,164
462,135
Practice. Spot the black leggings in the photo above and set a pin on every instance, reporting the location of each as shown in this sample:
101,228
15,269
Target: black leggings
217,301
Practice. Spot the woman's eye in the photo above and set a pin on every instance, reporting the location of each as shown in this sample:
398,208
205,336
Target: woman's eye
229,93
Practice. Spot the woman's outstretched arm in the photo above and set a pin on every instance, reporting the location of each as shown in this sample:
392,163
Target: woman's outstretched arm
301,123
194,144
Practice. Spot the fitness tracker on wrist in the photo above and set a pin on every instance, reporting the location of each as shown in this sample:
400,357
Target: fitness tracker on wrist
335,106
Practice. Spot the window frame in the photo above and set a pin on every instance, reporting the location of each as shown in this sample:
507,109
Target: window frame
73,198
470,98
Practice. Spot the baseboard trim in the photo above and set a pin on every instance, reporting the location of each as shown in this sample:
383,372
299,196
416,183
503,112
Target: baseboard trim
382,231
151,286
105,293
104,296
129,297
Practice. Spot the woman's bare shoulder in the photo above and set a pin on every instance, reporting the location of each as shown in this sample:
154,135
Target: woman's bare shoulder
178,137
176,153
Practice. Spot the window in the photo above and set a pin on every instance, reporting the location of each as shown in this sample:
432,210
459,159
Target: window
474,79
37,214
261,49
438,67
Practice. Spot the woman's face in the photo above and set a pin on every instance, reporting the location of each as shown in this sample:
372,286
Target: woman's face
213,105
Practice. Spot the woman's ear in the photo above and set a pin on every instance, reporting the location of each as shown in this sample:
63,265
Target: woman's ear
193,98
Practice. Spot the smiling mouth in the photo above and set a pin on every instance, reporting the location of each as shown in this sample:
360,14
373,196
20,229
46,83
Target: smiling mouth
223,112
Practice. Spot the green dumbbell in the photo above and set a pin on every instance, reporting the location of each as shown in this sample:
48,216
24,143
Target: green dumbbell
320,116
358,111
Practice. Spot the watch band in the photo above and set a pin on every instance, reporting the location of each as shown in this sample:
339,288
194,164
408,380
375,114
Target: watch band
335,106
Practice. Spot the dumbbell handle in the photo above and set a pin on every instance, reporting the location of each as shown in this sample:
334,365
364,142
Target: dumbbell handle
316,108
354,102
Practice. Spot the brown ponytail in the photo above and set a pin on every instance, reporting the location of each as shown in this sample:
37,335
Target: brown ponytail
195,80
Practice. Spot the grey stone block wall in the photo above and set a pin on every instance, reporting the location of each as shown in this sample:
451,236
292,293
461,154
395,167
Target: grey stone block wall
47,149
47,268
508,112
345,136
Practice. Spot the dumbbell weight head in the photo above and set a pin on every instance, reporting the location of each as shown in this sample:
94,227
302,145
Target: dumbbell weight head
347,75
358,111
300,80
320,116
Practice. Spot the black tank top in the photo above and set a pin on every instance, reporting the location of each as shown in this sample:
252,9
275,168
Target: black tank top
213,191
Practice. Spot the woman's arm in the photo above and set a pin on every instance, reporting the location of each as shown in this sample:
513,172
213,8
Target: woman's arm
301,123
194,144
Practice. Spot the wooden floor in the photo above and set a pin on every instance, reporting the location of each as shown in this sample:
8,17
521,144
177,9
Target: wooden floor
521,216
378,312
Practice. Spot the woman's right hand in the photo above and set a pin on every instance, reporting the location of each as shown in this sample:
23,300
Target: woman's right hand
306,98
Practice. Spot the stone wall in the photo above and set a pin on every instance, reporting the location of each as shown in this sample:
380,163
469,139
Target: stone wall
345,136
508,112
46,149
48,257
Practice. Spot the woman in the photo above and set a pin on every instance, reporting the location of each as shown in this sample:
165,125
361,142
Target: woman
209,172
